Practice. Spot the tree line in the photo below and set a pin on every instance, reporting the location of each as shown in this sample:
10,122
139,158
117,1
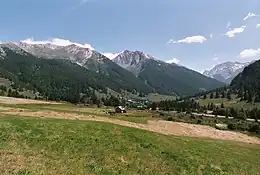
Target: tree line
194,106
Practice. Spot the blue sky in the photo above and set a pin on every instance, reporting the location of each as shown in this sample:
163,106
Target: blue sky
197,33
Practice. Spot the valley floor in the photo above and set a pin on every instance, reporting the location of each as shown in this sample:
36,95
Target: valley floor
159,126
35,139
136,119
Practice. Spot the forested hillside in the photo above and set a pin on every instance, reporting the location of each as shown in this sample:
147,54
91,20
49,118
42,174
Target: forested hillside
249,81
59,79
174,78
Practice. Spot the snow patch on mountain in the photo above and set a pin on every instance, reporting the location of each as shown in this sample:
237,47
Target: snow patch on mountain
2,53
73,52
111,56
57,42
225,72
13,47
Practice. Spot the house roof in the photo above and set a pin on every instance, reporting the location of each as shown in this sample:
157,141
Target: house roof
121,108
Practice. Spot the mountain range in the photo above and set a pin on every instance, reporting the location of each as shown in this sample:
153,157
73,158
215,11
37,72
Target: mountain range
226,72
133,71
100,67
162,76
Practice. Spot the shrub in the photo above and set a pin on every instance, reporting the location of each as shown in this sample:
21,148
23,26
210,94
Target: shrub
255,128
170,119
241,127
192,116
189,112
232,126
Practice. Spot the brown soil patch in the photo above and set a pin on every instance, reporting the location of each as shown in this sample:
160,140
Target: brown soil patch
164,127
10,100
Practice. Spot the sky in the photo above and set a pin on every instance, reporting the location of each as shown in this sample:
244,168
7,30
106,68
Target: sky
198,34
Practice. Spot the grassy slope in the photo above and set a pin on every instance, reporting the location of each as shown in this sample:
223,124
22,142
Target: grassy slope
236,103
51,146
154,97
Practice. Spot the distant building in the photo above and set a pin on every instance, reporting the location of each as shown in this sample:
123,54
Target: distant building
120,109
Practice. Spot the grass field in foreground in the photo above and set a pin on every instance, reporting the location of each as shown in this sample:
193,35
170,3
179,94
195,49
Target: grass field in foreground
30,146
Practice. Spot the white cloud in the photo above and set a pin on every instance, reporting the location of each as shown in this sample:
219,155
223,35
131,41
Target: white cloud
258,26
228,25
232,32
211,35
189,40
249,15
174,60
216,58
58,42
250,53
111,55
83,2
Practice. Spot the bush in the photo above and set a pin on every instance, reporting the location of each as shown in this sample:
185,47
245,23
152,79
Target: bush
161,114
192,117
241,127
232,126
170,119
255,128
189,112
199,122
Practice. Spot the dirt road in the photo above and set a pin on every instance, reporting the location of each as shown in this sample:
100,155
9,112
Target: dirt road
163,127
10,100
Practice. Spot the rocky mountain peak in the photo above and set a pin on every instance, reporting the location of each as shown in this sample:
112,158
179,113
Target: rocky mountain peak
225,72
136,54
132,60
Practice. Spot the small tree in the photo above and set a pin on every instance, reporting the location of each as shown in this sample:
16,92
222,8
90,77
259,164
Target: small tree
217,94
250,96
255,128
241,94
222,105
153,106
246,96
211,95
233,112
9,93
99,103
212,106
223,95
229,95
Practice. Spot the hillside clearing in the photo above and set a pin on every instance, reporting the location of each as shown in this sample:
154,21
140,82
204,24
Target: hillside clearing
235,103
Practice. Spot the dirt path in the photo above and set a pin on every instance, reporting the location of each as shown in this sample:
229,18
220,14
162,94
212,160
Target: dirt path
164,127
10,100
